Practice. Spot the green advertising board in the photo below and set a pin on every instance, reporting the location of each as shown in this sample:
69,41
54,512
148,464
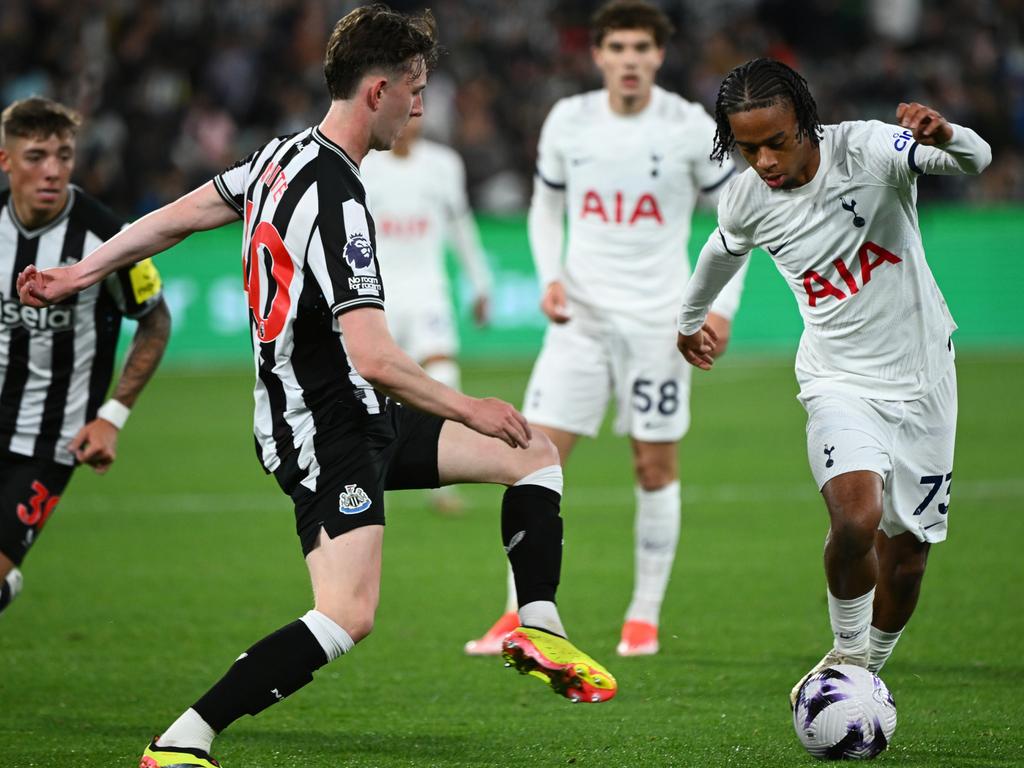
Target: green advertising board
973,253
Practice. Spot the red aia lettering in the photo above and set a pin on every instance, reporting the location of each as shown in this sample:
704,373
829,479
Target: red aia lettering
646,208
40,506
883,257
826,288
266,239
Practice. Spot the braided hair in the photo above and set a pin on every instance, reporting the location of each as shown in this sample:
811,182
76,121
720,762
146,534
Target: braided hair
758,84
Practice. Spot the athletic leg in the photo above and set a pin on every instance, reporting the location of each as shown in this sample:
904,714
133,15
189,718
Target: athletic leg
901,565
345,573
531,530
489,644
656,536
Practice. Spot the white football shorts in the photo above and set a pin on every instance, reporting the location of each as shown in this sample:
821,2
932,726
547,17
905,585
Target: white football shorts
908,443
424,329
581,367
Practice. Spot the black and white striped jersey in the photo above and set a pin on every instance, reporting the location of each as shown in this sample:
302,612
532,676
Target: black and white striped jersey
308,254
56,363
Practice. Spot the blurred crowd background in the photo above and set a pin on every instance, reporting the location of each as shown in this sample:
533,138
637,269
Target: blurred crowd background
174,91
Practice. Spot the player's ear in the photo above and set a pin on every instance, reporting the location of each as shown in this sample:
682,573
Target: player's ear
375,87
5,160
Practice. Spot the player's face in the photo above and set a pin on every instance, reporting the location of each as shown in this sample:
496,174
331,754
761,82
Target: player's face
402,99
39,171
628,59
767,139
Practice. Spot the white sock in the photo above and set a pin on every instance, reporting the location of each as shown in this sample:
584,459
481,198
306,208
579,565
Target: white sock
511,599
549,477
656,535
541,614
14,581
882,644
189,730
333,639
850,622
445,371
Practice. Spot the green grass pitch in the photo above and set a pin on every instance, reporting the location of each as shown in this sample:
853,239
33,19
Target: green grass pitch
150,581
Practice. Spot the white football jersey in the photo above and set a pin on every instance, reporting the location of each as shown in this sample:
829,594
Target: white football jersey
849,246
631,183
416,202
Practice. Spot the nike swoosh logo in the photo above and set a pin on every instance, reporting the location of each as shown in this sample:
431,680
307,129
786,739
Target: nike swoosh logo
580,160
775,251
934,524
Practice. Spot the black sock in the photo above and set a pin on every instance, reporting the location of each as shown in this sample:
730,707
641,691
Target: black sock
5,594
531,530
276,667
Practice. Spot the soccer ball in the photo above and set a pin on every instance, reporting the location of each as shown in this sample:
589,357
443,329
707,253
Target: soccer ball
844,713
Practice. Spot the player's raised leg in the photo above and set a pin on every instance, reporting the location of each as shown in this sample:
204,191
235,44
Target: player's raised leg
531,532
854,501
656,535
490,643
345,572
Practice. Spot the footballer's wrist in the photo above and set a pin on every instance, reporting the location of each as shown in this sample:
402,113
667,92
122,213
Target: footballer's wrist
115,412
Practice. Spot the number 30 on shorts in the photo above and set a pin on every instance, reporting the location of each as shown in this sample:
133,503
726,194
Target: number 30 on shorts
934,483
665,397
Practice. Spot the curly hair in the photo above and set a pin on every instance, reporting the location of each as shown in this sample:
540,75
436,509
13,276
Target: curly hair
377,37
758,84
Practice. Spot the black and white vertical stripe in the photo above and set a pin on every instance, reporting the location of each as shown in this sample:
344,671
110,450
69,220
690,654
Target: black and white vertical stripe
56,363
309,191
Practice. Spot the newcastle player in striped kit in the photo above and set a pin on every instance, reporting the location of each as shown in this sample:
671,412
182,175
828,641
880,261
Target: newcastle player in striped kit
342,414
56,363
836,208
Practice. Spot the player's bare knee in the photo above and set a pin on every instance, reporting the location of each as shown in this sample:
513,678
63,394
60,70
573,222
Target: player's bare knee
653,475
852,537
355,616
540,454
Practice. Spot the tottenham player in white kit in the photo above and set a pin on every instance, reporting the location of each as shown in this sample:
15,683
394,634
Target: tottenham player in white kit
624,165
417,195
835,206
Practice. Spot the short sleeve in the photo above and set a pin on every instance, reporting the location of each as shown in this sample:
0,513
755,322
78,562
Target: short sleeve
231,183
550,157
136,289
342,252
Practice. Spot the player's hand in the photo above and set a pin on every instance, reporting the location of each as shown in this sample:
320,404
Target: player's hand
496,418
928,126
554,304
40,289
96,445
482,311
723,332
698,349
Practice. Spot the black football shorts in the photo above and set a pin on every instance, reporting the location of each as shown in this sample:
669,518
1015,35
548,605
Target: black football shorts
393,451
29,491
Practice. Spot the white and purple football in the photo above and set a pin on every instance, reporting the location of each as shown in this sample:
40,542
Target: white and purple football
844,713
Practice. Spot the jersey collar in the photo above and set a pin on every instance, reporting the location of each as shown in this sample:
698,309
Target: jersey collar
323,141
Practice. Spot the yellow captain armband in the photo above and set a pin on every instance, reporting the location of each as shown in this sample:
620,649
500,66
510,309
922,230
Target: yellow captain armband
145,281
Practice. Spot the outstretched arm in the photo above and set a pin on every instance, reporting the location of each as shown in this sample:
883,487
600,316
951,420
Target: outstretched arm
380,361
96,442
947,149
200,209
